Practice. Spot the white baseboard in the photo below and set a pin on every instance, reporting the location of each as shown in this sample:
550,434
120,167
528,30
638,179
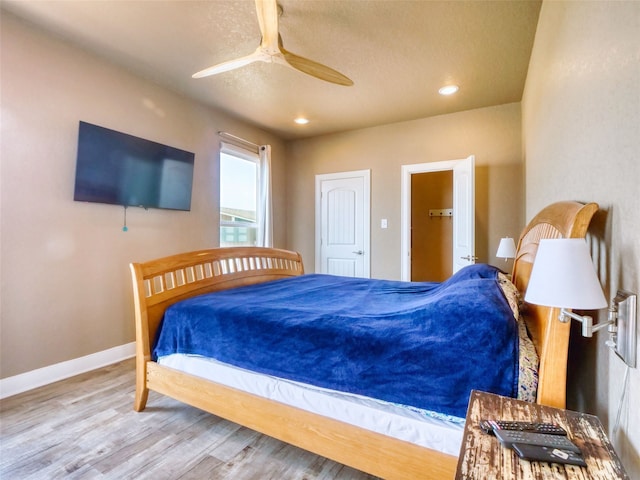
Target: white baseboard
43,376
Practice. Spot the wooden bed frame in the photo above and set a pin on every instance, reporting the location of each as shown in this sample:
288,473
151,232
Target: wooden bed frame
160,283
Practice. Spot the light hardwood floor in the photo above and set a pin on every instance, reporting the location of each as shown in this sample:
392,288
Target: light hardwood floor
85,428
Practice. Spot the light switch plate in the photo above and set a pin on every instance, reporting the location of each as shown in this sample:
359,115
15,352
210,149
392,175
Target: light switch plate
626,345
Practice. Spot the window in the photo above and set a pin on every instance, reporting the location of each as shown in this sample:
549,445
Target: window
238,197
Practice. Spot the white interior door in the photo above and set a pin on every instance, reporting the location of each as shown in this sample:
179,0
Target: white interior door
463,211
464,205
342,223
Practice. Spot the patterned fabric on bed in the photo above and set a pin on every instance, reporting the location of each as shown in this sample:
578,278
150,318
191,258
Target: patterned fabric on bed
511,293
528,357
528,368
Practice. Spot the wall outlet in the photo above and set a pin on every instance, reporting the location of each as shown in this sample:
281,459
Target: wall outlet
626,348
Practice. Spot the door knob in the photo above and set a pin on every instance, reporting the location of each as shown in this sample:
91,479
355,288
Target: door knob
470,258
359,252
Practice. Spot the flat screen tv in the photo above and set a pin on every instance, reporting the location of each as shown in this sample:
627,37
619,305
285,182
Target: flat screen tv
121,169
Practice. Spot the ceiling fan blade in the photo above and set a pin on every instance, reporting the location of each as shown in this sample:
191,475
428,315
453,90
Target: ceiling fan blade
271,50
267,11
315,69
258,56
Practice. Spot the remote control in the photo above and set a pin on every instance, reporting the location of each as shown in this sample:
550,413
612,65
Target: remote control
548,454
509,437
488,426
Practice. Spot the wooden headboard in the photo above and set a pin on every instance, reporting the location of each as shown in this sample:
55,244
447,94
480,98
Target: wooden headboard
549,335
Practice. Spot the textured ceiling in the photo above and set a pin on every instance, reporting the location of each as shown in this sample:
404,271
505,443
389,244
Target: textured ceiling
398,53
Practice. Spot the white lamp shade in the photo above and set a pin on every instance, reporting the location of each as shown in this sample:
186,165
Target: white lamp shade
507,248
563,276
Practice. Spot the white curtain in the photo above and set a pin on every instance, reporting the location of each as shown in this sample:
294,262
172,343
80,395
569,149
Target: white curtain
265,225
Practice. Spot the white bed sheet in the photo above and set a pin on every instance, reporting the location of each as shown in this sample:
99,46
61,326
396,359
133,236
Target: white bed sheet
405,423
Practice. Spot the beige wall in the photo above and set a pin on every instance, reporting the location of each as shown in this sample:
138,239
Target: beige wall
581,132
65,283
493,135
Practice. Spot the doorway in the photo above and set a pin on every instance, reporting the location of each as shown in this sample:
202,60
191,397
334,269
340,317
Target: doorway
431,226
462,212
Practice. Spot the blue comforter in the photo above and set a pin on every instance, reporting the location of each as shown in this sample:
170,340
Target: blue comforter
421,344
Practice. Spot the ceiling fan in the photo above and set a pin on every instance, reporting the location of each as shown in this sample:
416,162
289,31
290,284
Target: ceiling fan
271,50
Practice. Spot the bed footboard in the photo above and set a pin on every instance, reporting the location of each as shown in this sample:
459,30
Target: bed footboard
157,284
362,449
160,283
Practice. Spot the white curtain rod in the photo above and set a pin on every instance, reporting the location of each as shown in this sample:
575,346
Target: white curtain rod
242,141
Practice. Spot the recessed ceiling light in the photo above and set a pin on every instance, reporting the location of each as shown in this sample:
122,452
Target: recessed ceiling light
448,90
301,121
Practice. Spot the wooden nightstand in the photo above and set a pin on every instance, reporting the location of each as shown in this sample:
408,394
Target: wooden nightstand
483,457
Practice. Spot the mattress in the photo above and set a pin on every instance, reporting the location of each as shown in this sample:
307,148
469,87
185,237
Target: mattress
428,429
